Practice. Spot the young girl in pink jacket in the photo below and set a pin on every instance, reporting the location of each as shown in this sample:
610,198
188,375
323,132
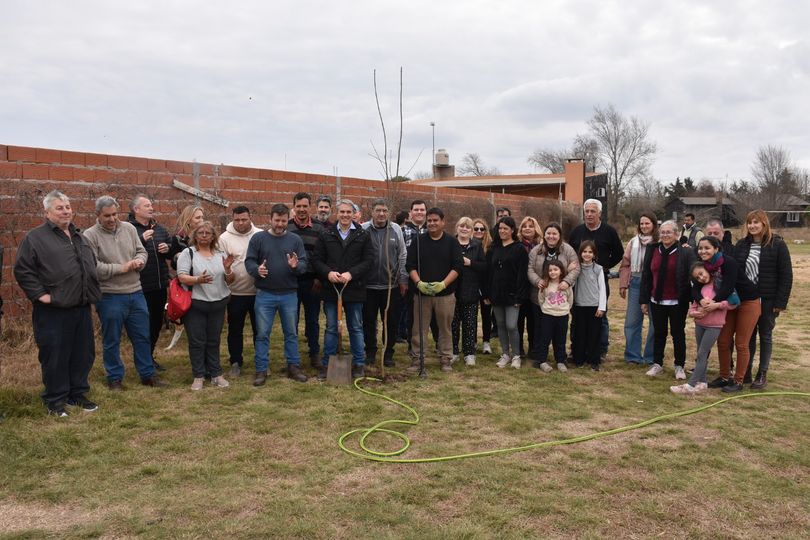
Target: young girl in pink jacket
710,316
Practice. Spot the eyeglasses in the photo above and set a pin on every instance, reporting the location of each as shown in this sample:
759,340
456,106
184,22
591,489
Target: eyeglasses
479,229
205,233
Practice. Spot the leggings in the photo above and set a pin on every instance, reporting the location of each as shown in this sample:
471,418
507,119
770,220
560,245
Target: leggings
465,325
705,337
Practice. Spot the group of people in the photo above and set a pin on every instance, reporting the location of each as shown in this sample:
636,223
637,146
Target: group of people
410,277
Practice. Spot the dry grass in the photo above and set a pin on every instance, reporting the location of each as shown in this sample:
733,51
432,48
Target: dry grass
249,463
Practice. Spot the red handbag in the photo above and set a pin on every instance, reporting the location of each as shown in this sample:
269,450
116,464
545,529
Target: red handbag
179,301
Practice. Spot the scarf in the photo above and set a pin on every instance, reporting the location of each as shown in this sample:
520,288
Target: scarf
714,264
662,272
637,252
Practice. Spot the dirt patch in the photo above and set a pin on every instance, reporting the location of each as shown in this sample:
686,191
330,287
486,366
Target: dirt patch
18,517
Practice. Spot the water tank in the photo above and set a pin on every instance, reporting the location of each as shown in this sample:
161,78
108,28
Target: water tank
442,157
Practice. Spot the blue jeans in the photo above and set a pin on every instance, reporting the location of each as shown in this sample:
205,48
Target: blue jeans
312,312
633,324
353,315
119,311
266,305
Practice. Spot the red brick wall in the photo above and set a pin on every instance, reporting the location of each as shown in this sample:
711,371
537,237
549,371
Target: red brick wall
27,174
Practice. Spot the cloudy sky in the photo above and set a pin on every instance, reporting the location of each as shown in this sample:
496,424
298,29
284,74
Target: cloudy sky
288,84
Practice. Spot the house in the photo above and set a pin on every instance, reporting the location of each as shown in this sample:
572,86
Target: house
792,214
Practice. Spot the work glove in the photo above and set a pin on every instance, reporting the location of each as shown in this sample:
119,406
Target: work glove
425,288
437,287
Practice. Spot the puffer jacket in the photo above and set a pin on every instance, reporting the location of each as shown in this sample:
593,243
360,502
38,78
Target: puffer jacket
775,272
155,274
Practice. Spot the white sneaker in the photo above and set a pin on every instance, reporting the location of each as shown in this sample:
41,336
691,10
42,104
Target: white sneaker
220,382
562,367
546,367
655,371
516,362
454,359
504,360
469,359
701,387
683,389
198,383
680,374
486,349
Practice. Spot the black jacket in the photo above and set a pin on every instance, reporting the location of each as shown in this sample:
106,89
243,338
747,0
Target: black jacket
507,283
775,272
48,262
470,281
155,275
354,255
686,257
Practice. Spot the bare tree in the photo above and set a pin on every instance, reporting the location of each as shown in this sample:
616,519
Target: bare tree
775,176
584,147
624,150
473,165
705,188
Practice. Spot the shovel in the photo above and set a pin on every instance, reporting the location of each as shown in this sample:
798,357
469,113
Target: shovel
339,370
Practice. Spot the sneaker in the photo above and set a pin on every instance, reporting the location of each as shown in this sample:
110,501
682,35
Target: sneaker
486,349
732,386
683,389
454,359
82,402
700,387
58,411
655,371
516,362
220,382
680,374
719,382
562,367
594,367
546,367
358,371
295,373
504,360
236,370
469,360
198,383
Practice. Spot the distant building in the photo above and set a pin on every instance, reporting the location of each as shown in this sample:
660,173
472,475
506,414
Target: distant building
793,213
574,185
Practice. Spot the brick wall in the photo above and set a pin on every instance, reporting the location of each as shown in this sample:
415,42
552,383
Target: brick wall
27,174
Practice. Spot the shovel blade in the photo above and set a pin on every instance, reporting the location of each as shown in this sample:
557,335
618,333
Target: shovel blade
339,370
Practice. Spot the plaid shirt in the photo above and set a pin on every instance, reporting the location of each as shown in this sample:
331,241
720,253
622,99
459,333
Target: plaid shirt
409,232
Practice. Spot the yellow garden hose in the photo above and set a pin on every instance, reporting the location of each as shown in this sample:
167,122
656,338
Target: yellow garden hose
390,457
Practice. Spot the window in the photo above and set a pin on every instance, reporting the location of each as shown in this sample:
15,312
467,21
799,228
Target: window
792,217
600,192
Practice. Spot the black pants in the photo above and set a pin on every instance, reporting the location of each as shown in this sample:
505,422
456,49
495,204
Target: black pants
239,308
674,318
465,325
66,351
585,330
374,309
548,330
156,304
486,320
526,321
203,324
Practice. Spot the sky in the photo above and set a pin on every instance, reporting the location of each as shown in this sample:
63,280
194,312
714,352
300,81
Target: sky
288,84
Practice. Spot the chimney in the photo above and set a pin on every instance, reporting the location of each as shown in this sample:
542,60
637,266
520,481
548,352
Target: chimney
441,165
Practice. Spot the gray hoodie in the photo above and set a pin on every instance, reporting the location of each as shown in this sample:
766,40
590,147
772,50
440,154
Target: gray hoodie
381,276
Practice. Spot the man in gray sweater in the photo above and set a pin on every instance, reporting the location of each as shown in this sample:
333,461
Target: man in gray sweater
120,256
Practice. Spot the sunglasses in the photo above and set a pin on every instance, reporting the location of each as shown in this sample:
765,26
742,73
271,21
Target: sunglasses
479,229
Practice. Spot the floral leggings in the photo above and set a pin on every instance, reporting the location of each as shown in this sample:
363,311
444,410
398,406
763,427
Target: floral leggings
465,322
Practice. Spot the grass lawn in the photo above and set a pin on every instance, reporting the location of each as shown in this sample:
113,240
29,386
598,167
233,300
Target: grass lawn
250,463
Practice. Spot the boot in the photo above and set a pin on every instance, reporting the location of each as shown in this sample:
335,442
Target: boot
761,381
295,373
447,364
314,360
260,378
388,359
414,367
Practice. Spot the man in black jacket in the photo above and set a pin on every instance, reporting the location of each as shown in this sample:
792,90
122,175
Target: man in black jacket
56,269
343,258
609,253
155,275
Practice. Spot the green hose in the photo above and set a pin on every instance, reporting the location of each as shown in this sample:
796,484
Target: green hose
389,457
